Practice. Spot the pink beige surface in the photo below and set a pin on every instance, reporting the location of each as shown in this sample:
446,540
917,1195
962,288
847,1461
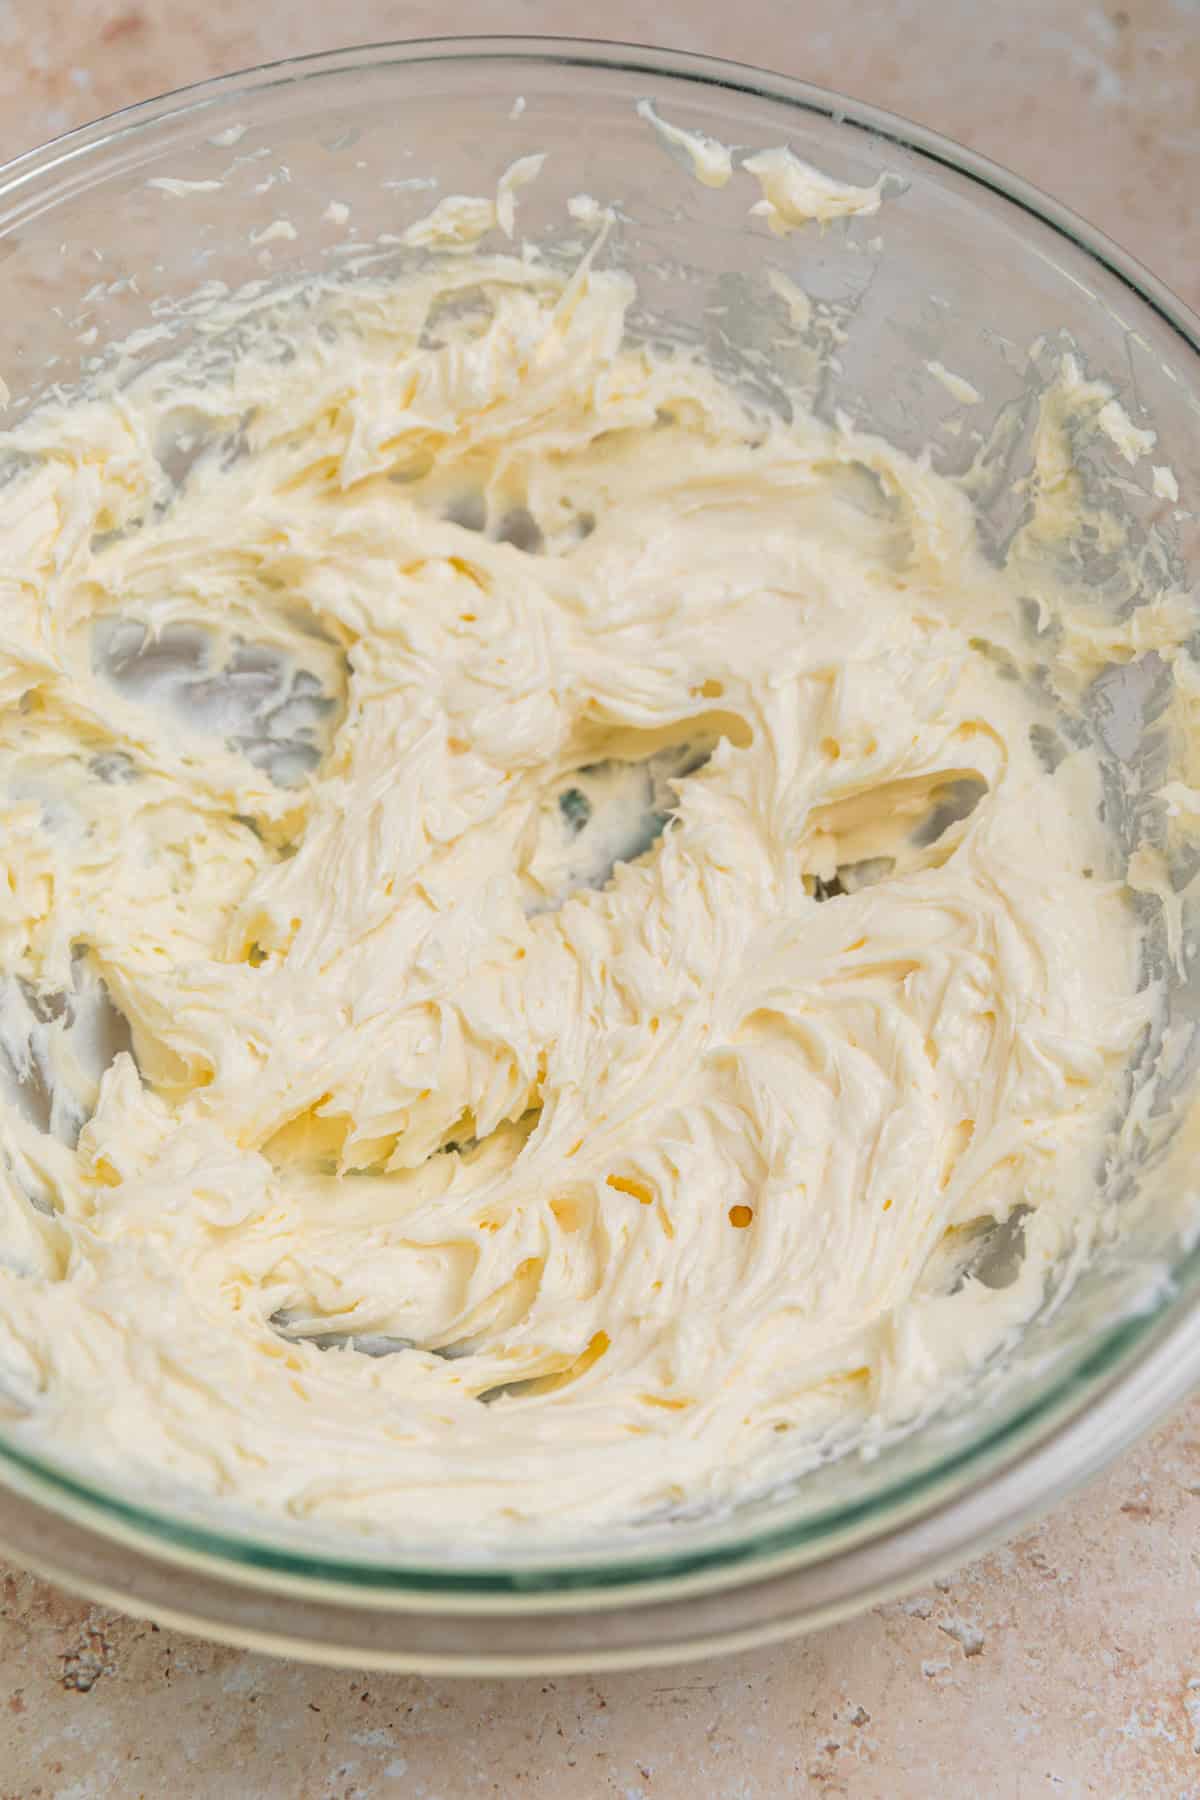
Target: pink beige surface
1067,1663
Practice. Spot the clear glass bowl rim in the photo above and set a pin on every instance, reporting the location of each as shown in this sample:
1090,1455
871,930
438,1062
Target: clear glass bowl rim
1142,1344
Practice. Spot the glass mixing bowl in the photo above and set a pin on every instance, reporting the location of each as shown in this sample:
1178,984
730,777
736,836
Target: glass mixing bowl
125,231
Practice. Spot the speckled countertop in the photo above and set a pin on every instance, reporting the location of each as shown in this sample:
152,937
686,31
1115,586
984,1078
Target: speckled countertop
1067,1663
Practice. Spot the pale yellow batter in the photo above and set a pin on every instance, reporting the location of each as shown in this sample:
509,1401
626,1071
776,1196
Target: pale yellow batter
593,939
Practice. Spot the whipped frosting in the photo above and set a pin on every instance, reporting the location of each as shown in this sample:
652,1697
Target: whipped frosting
794,192
537,936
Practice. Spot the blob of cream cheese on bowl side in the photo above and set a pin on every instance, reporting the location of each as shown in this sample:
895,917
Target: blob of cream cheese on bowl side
535,935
